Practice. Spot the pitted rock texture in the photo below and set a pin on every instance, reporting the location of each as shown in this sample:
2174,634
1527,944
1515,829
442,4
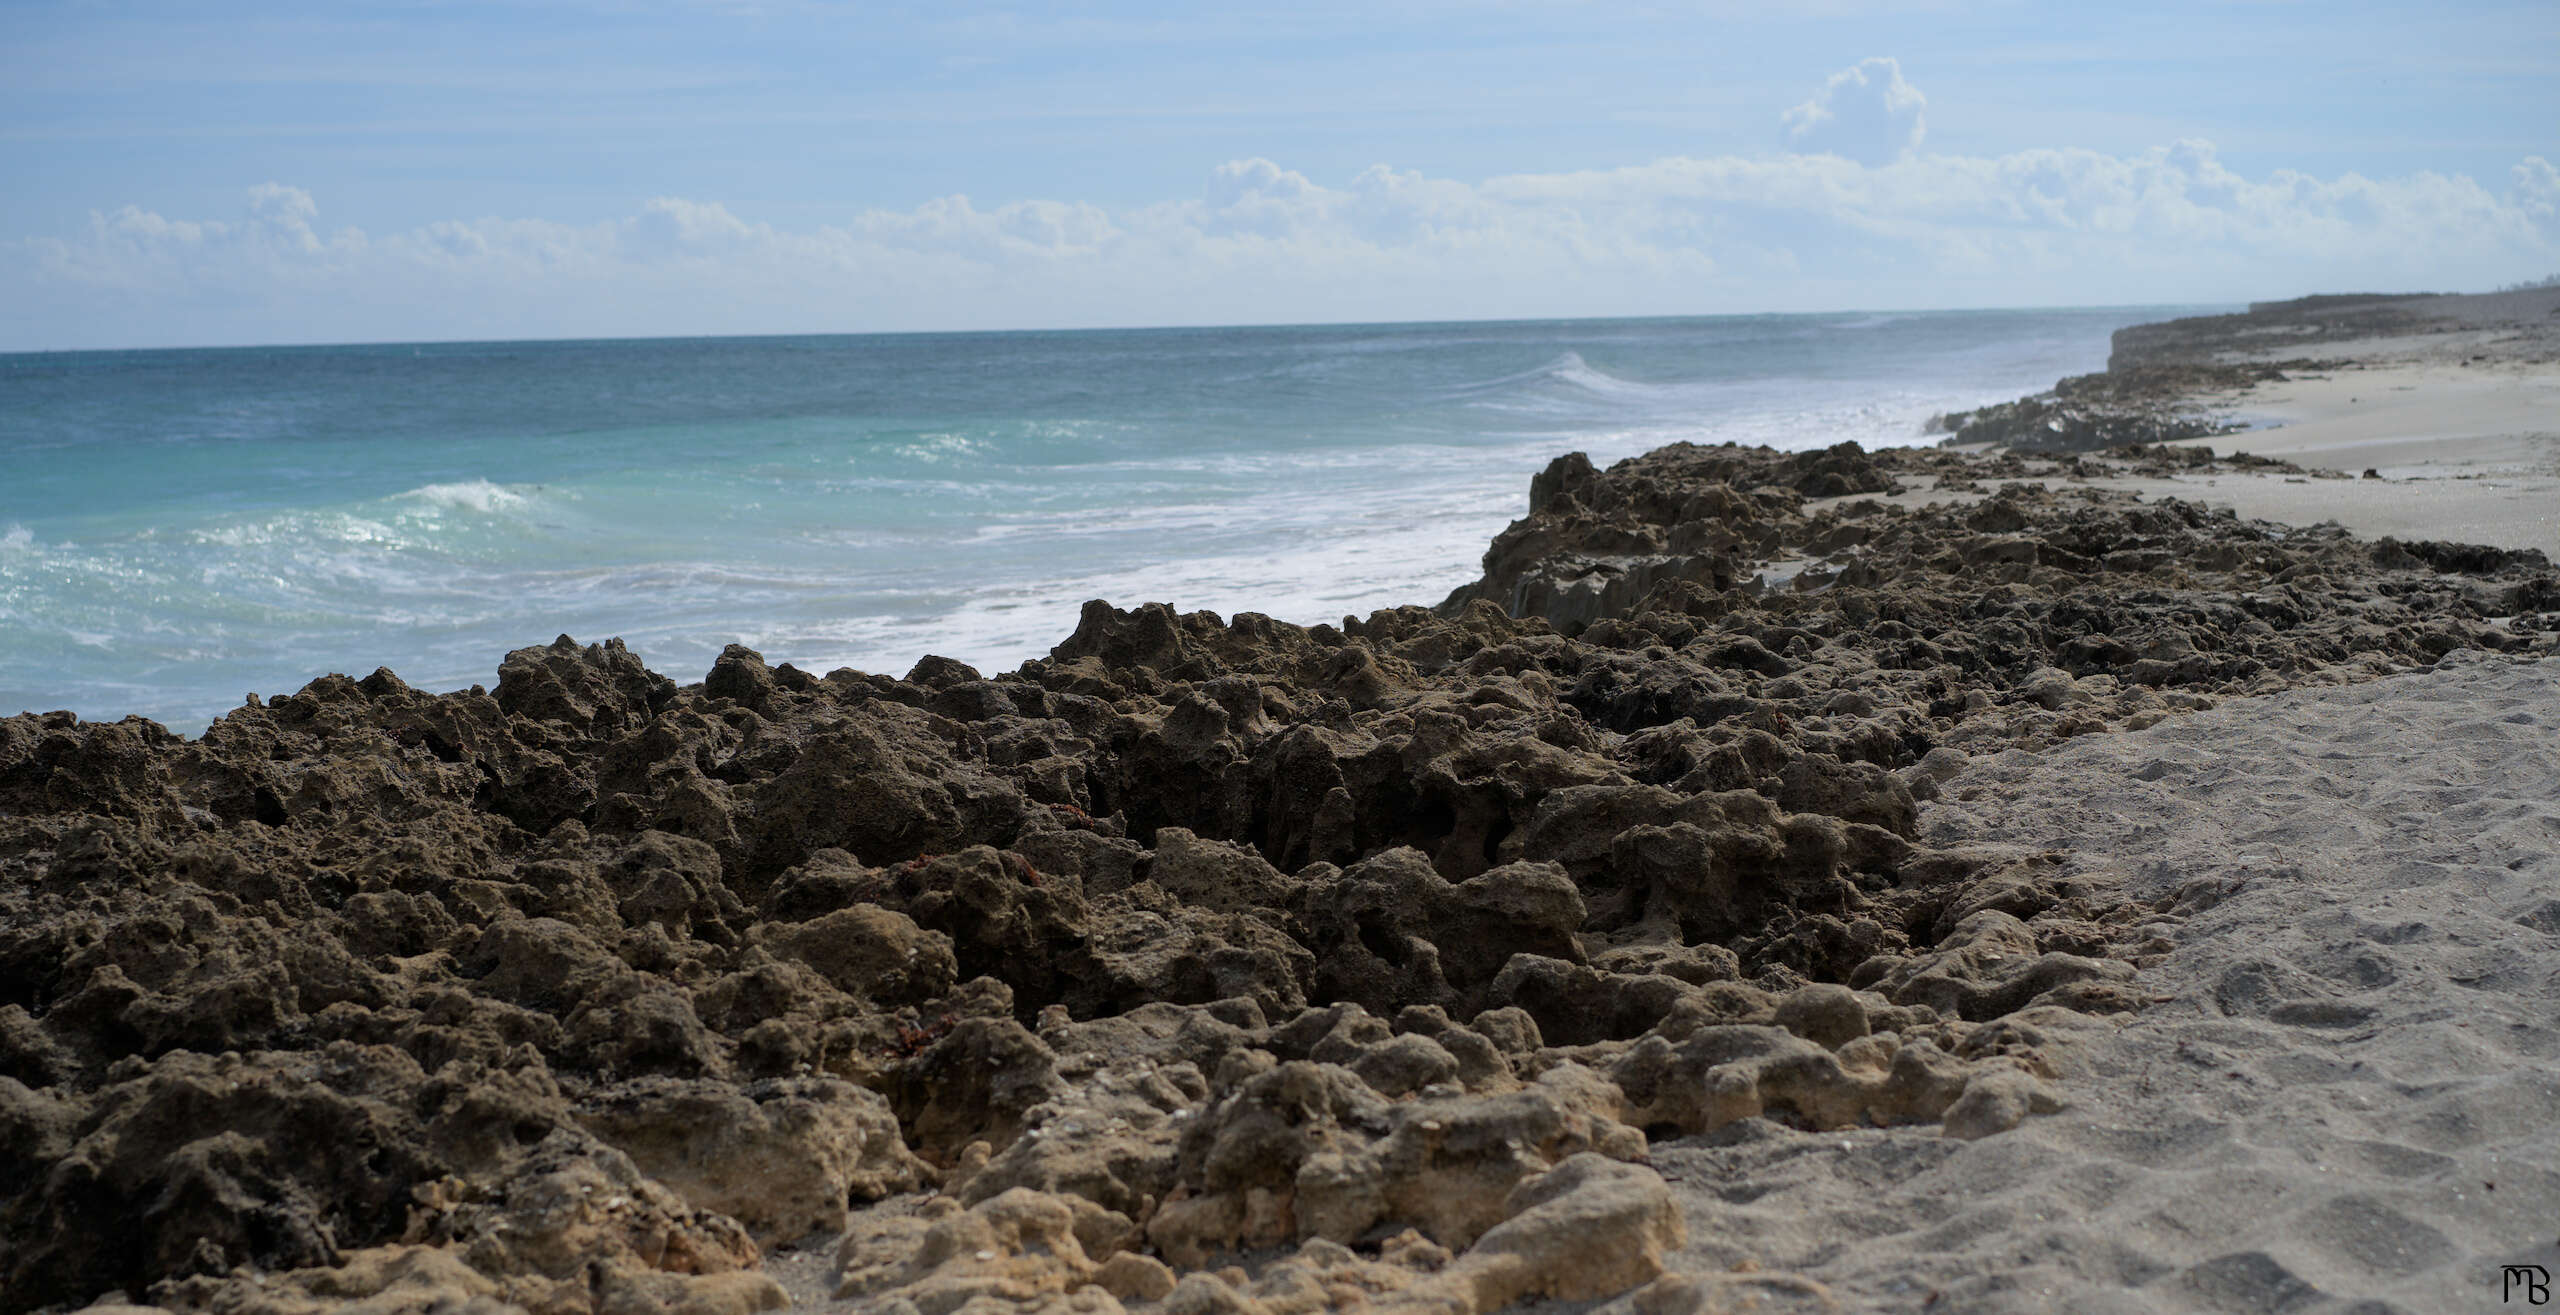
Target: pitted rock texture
1381,948
2114,408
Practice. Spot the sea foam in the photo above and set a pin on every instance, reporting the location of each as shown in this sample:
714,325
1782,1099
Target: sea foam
861,501
478,495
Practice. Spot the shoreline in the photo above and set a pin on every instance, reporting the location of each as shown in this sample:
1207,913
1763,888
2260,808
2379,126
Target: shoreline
1449,958
1339,472
2452,402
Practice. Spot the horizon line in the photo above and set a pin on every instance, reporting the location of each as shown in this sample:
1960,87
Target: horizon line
1147,328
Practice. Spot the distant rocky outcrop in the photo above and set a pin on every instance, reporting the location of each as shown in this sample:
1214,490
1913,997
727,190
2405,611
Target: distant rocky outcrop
2271,329
2172,380
2152,403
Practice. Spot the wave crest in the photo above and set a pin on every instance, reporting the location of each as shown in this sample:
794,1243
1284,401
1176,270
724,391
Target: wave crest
478,495
1569,384
1568,368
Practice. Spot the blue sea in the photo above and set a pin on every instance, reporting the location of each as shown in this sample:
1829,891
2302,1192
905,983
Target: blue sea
180,528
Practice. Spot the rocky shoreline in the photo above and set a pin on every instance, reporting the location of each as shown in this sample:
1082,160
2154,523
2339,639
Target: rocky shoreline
2115,408
2178,379
1212,963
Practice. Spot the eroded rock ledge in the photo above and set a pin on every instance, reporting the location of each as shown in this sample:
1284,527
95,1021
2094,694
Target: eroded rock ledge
2182,378
1208,964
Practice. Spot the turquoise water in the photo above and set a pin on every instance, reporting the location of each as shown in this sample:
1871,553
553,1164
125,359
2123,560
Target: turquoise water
180,528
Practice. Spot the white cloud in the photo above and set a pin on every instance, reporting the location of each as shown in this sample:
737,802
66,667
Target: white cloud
674,226
1865,113
2538,190
1263,243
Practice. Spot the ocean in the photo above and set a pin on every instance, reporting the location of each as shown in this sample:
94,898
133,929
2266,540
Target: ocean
180,528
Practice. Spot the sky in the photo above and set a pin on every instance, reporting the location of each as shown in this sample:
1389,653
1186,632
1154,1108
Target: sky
380,170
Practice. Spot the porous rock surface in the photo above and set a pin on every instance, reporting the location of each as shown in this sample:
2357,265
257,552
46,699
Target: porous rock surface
2125,404
1207,964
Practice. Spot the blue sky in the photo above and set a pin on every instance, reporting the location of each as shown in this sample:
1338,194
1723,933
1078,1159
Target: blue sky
179,173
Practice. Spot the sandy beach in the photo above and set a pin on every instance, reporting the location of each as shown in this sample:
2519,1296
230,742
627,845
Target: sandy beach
2460,451
2459,423
1911,881
2341,1094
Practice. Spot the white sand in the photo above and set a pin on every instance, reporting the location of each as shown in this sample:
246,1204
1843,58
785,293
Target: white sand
2463,428
2479,497
2401,418
2464,453
2349,1100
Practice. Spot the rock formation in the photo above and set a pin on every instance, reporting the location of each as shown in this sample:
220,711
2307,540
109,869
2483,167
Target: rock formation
1206,964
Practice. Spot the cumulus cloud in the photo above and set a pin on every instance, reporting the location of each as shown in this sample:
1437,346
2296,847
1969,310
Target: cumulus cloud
1865,113
135,248
1262,243
672,225
2537,189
